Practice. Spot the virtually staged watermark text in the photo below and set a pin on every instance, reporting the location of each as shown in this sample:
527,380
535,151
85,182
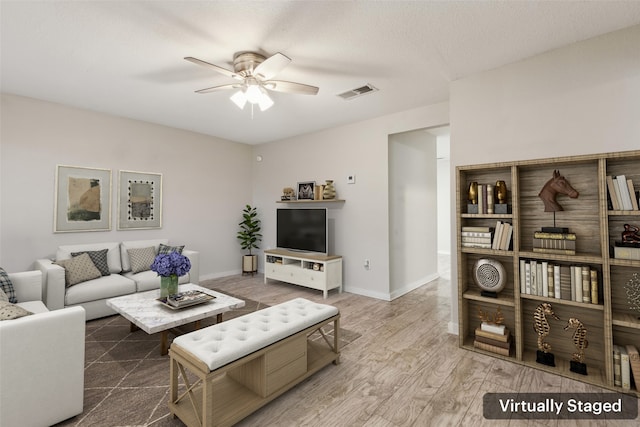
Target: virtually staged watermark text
610,406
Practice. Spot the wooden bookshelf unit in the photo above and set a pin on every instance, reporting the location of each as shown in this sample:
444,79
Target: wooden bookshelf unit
608,319
321,272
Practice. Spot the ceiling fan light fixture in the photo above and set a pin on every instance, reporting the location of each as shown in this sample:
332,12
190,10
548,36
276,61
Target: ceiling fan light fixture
265,102
239,98
253,94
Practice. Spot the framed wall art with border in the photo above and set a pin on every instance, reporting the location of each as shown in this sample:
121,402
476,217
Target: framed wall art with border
139,200
83,199
306,190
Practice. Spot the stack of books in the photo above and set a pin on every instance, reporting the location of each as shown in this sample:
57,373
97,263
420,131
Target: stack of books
554,242
626,366
477,237
622,195
502,236
493,338
623,250
578,283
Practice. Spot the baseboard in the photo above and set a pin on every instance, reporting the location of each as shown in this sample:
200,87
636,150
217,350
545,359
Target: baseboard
413,286
452,328
221,274
367,293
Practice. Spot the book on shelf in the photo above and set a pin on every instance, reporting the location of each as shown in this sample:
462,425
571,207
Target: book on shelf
493,328
551,235
476,245
497,235
489,198
475,239
617,367
611,186
504,337
550,283
544,266
502,344
625,368
523,276
492,348
479,229
634,363
557,284
626,252
565,283
594,286
577,282
555,251
554,243
572,283
632,195
586,284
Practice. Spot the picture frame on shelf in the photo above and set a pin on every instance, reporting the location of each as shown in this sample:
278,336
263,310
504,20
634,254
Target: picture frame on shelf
306,190
139,200
82,200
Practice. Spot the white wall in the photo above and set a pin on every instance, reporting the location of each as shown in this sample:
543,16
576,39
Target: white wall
206,181
581,99
361,223
413,211
444,194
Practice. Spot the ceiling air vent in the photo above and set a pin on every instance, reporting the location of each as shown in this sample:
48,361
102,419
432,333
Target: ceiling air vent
353,93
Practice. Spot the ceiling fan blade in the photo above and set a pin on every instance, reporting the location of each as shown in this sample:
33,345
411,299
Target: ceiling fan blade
271,66
221,70
217,88
290,87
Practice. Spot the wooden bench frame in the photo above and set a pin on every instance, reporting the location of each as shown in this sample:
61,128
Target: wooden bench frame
226,395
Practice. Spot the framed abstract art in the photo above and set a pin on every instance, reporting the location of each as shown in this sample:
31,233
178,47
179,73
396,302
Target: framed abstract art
139,200
83,199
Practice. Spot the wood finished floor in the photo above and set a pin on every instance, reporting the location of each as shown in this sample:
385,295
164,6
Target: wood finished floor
405,369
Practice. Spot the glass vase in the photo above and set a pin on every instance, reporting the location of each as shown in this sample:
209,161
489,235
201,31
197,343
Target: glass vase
168,285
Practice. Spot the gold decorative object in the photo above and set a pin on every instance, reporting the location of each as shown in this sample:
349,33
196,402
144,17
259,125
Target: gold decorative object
329,191
541,325
496,318
473,193
501,191
579,338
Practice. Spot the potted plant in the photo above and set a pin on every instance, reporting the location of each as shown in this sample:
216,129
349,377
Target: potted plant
249,236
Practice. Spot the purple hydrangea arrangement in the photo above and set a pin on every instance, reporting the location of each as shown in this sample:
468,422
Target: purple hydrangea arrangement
170,264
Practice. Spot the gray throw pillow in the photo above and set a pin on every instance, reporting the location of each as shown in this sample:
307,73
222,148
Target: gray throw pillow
141,258
99,259
165,249
10,311
7,286
79,269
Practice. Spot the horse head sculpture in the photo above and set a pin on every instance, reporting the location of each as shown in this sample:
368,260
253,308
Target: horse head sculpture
556,185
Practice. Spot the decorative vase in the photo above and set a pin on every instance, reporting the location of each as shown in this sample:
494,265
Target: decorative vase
473,193
329,191
168,285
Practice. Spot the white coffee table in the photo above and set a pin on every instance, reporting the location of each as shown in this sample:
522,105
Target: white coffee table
145,312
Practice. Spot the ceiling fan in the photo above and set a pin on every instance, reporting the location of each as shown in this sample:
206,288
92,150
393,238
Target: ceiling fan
254,72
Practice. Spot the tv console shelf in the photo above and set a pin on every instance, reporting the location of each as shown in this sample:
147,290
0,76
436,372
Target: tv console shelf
312,201
321,272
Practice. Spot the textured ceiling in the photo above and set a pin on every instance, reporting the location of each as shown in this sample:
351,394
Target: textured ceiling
126,57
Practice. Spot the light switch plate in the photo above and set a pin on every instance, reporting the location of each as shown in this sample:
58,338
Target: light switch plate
351,179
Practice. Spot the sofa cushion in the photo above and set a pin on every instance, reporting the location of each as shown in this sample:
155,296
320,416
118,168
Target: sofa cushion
101,288
99,259
35,307
125,246
141,258
113,253
166,249
10,311
79,269
7,286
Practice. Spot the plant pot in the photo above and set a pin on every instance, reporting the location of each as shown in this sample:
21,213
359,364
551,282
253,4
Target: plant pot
250,264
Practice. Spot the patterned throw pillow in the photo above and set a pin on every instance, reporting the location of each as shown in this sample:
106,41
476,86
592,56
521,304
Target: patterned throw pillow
165,249
99,259
79,269
7,286
10,311
141,258
3,296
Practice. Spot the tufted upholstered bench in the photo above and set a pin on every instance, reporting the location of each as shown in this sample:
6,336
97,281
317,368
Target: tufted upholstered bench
244,363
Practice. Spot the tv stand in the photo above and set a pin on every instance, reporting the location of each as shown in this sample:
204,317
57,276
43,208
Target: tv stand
321,272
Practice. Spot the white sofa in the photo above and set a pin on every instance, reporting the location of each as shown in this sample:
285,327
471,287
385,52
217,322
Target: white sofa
92,294
41,359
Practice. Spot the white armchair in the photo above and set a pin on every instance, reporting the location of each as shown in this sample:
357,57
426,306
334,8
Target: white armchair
41,359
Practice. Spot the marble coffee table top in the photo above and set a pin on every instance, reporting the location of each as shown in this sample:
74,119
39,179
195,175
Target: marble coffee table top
145,311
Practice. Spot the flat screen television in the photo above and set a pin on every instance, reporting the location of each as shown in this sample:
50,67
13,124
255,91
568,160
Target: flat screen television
303,230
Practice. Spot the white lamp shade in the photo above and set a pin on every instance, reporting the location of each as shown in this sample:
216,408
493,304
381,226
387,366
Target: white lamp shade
265,102
239,98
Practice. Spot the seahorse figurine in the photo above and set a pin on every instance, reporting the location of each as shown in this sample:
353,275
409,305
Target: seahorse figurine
541,325
579,338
